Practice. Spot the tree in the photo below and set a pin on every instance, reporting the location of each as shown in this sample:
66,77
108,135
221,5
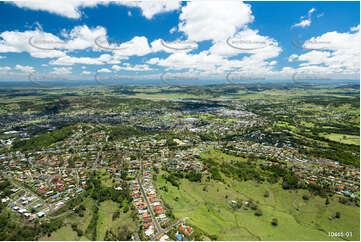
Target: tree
80,232
253,206
290,181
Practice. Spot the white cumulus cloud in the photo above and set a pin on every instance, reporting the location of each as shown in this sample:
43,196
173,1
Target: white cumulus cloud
26,69
305,22
62,70
72,8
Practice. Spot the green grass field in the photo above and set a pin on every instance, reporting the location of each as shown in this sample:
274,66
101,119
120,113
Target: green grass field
106,178
105,221
343,138
66,232
210,211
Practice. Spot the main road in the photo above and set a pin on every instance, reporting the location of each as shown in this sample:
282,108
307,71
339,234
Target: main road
159,229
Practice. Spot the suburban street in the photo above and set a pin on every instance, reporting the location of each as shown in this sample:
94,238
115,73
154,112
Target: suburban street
31,192
159,229
160,233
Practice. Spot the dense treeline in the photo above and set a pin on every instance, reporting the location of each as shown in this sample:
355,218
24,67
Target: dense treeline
92,226
173,177
19,231
332,100
101,193
213,169
54,106
346,153
124,131
43,140
242,171
250,171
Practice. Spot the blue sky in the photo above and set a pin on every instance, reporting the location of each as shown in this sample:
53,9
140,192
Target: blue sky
210,39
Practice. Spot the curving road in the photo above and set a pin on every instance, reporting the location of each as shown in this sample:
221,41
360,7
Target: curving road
160,233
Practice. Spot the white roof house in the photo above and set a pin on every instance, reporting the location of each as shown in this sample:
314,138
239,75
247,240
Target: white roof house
149,231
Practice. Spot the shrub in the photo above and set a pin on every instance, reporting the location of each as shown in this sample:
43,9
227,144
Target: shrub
254,206
258,212
115,215
285,185
343,200
305,197
80,232
274,222
266,194
338,215
213,237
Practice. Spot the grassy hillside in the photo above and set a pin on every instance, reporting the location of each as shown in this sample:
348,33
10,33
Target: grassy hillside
207,205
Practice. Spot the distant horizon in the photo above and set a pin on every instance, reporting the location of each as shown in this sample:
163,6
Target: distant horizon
160,83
